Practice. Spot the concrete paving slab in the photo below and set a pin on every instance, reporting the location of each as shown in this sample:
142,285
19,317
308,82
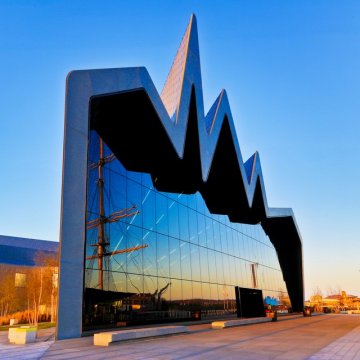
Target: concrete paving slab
345,348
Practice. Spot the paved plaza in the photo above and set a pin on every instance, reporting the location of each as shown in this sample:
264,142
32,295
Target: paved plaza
324,337
26,352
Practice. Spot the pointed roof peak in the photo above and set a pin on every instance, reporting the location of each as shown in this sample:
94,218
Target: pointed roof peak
171,92
192,19
249,166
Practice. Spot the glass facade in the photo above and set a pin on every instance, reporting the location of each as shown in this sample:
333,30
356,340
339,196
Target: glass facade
154,257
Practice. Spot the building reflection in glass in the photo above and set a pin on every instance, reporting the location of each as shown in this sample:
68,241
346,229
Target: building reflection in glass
155,257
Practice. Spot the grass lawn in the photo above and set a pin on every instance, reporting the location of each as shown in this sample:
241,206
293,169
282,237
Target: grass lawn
44,325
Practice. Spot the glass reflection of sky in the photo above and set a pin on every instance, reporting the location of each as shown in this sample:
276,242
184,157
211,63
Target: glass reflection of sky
201,254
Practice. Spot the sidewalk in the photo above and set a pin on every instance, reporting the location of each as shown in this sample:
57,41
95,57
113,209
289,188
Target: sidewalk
325,337
345,348
298,338
33,351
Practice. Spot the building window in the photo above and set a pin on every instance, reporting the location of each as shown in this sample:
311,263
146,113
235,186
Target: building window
163,255
42,309
55,279
20,280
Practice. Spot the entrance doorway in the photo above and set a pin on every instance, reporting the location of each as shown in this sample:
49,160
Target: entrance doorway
249,302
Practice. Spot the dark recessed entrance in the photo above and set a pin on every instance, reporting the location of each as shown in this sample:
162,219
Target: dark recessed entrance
249,302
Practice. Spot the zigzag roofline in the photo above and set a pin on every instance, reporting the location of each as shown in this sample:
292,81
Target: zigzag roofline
176,129
180,147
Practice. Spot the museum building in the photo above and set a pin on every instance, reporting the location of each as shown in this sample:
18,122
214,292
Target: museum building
162,221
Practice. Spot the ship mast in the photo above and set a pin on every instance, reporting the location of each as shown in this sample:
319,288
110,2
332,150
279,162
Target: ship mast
101,246
101,235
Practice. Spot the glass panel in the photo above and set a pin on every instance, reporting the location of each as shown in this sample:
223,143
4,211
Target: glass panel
219,267
202,230
192,202
183,199
214,292
136,176
205,290
209,233
120,281
161,214
247,249
134,254
227,273
204,264
225,296
135,283
150,286
200,206
149,253
163,295
140,243
206,300
217,238
175,258
236,240
187,292
146,180
197,290
247,276
115,196
148,206
224,244
185,260
176,292
230,242
233,271
173,215
184,222
195,263
134,201
163,255
240,275
212,266
193,226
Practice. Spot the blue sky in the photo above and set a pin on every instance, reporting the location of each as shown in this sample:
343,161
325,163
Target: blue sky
292,73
